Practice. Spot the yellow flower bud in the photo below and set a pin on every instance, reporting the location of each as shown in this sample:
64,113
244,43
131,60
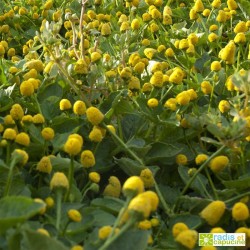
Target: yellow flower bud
113,189
218,163
44,165
87,159
74,215
240,211
48,133
147,177
23,139
79,108
59,180
213,212
187,238
94,115
178,228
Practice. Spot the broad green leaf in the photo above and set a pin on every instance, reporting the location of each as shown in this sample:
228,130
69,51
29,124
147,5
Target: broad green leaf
109,204
131,240
240,184
38,241
189,219
48,91
17,209
63,164
130,167
161,151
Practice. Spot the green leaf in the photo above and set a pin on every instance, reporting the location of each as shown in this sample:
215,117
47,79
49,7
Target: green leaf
38,241
199,182
17,209
62,164
109,204
52,89
189,219
130,167
161,151
131,240
240,184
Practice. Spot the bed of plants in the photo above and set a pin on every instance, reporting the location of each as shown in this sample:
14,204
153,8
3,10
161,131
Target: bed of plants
123,124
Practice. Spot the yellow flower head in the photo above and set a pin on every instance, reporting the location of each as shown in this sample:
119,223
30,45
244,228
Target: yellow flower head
74,215
105,29
21,156
43,231
157,79
44,165
113,189
23,139
87,159
94,177
147,177
133,185
134,82
183,98
224,106
187,238
72,146
218,163
152,197
152,103
94,115
139,67
77,247
240,38
48,133
9,134
217,230
206,87
227,53
104,232
176,76
38,119
178,228
212,37
215,66
240,27
213,212
198,6
65,104
95,56
26,88
35,64
96,135
200,158
216,4
149,52
59,180
79,108
181,159
135,24
240,211
222,16
16,112
171,104
49,202
232,5
145,225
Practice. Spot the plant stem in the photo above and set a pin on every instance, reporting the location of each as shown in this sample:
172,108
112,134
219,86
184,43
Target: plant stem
59,193
70,177
127,149
211,184
237,197
109,241
201,168
9,178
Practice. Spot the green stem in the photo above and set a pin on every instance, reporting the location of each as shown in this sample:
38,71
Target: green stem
163,202
211,184
59,193
128,150
9,178
37,104
70,177
8,153
109,241
237,197
201,168
65,228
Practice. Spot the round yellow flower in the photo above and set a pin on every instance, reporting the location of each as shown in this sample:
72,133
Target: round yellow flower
200,158
178,228
48,133
113,189
38,119
74,215
240,38
206,87
187,238
145,225
49,202
44,165
59,180
94,177
16,112
95,135
240,27
105,29
87,159
65,104
147,177
217,230
95,56
215,66
133,186
77,247
181,159
152,197
176,76
152,103
213,212
218,163
22,156
224,106
134,83
240,211
183,98
9,134
104,232
79,108
149,52
26,88
157,79
23,139
94,115
35,64
72,146
171,104
212,37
